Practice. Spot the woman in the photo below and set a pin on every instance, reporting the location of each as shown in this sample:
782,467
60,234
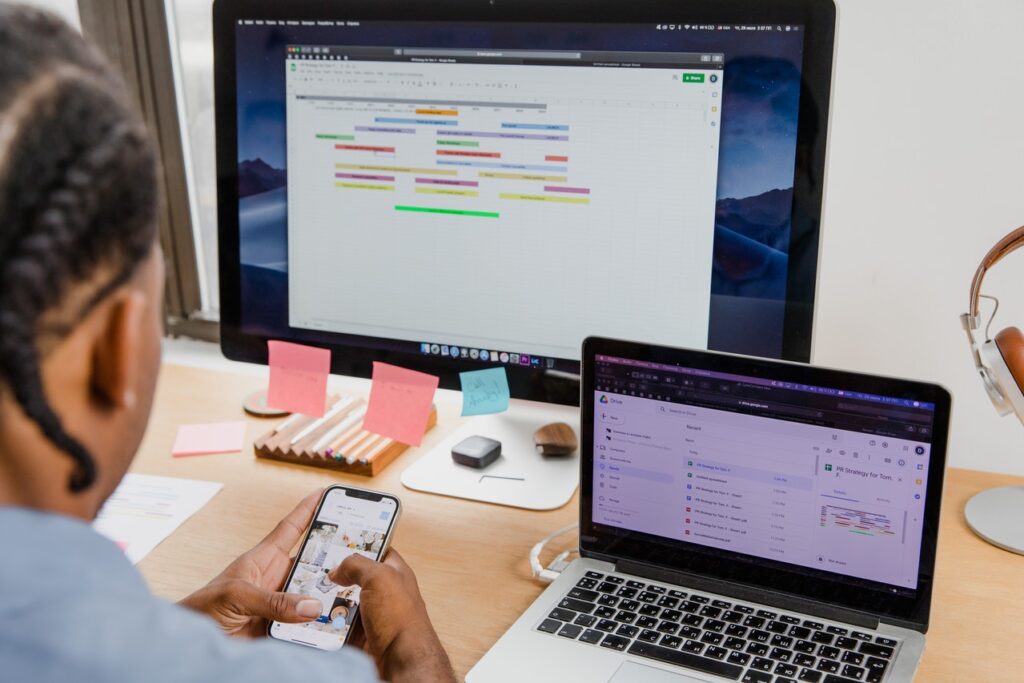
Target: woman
81,287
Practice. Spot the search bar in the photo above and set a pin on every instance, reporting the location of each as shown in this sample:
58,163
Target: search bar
883,412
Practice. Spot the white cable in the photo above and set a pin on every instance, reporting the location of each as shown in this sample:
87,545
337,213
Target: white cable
551,572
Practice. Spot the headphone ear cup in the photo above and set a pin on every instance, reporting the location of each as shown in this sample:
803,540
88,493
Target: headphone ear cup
1010,343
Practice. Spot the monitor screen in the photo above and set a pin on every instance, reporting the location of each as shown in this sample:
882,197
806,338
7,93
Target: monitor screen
456,194
816,476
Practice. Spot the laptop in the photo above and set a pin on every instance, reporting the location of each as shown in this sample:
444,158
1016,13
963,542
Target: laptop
741,519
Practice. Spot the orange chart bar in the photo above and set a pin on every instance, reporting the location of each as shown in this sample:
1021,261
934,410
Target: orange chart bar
463,153
366,148
403,169
437,112
555,157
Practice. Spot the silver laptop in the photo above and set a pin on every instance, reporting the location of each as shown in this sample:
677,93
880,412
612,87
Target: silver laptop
740,520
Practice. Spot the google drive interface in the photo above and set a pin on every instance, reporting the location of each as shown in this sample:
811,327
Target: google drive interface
813,476
509,199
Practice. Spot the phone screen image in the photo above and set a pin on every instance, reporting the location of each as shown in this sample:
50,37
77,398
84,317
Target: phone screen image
348,521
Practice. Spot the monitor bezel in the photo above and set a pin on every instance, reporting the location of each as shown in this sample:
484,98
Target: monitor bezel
867,597
540,384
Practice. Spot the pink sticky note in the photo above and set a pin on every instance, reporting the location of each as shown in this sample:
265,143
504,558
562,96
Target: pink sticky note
214,437
400,402
298,378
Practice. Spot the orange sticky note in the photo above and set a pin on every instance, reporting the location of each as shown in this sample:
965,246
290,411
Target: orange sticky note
400,402
214,437
298,378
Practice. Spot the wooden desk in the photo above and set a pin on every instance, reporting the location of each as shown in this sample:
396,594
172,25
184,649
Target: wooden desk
471,557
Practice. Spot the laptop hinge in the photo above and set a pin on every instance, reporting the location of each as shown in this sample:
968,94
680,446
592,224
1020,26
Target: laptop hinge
764,596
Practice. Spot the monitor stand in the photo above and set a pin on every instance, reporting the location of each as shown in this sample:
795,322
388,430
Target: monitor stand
521,477
995,515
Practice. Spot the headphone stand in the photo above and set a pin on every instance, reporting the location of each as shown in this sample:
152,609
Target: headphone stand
997,516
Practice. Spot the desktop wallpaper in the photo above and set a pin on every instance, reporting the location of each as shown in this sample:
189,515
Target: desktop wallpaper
761,99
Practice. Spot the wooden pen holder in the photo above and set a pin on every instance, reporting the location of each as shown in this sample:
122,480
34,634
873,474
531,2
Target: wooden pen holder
337,443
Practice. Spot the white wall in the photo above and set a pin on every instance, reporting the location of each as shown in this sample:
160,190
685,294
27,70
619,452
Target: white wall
926,172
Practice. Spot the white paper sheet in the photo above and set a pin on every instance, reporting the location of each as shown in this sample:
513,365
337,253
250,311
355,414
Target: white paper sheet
146,509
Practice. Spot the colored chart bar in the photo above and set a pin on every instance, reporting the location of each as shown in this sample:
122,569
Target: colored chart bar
461,153
452,212
515,167
429,122
365,176
506,136
398,169
562,188
366,186
556,157
435,181
459,143
544,198
438,112
524,176
366,148
330,136
382,129
534,126
438,190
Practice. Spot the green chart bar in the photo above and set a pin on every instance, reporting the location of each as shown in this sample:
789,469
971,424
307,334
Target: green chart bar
459,143
329,136
453,212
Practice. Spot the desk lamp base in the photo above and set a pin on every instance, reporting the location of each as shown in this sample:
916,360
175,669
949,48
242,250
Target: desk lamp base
997,516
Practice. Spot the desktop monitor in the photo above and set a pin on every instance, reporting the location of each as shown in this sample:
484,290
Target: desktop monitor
448,187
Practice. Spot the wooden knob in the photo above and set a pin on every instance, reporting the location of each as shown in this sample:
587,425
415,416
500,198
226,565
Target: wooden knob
556,438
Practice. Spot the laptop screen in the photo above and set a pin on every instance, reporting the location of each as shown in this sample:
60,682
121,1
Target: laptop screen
816,476
811,482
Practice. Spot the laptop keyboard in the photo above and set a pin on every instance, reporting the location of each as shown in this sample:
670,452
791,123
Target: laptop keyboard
725,638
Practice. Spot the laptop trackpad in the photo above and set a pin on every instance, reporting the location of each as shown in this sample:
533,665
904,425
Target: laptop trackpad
631,672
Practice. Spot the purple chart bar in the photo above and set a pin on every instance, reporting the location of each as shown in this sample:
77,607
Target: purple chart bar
574,190
434,181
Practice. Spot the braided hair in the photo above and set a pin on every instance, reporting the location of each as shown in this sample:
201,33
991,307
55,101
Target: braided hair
78,197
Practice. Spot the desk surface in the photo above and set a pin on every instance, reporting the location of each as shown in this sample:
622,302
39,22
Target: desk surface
471,558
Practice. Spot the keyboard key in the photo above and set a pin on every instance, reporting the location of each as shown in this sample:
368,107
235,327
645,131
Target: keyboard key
604,612
822,637
627,592
736,630
671,641
734,643
586,583
625,617
777,627
627,631
693,646
732,616
782,641
800,659
576,605
789,619
550,626
744,609
780,654
716,652
847,643
677,594
584,620
591,636
809,676
805,646
639,585
607,587
700,598
668,627
759,649
757,677
685,659
755,622
607,625
709,611
629,605
690,607
783,669
762,664
758,636
766,614
650,610
594,575
721,604
562,614
712,637
617,580
851,671
816,625
876,669
714,625
827,665
649,636
860,635
581,594
784,679
671,615
647,597
852,657
829,652
608,600
738,658
615,642
889,642
668,601
646,622
876,650
570,631
656,589
838,630
691,620
801,632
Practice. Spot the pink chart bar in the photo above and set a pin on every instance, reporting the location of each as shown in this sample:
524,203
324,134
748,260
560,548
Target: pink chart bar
574,190
363,176
382,129
433,181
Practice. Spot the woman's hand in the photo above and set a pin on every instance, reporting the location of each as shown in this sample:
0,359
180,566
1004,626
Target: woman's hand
246,595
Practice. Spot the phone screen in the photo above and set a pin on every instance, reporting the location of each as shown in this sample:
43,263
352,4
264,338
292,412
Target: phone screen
348,521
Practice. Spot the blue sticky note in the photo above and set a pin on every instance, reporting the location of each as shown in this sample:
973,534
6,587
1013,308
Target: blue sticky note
484,391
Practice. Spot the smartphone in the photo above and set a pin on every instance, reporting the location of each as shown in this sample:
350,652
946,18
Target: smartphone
347,521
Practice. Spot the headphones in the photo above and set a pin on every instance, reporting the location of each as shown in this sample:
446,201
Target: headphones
1000,361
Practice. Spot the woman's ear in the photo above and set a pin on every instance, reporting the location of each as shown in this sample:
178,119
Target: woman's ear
117,352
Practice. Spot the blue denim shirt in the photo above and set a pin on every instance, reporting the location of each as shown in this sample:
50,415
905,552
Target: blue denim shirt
73,608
